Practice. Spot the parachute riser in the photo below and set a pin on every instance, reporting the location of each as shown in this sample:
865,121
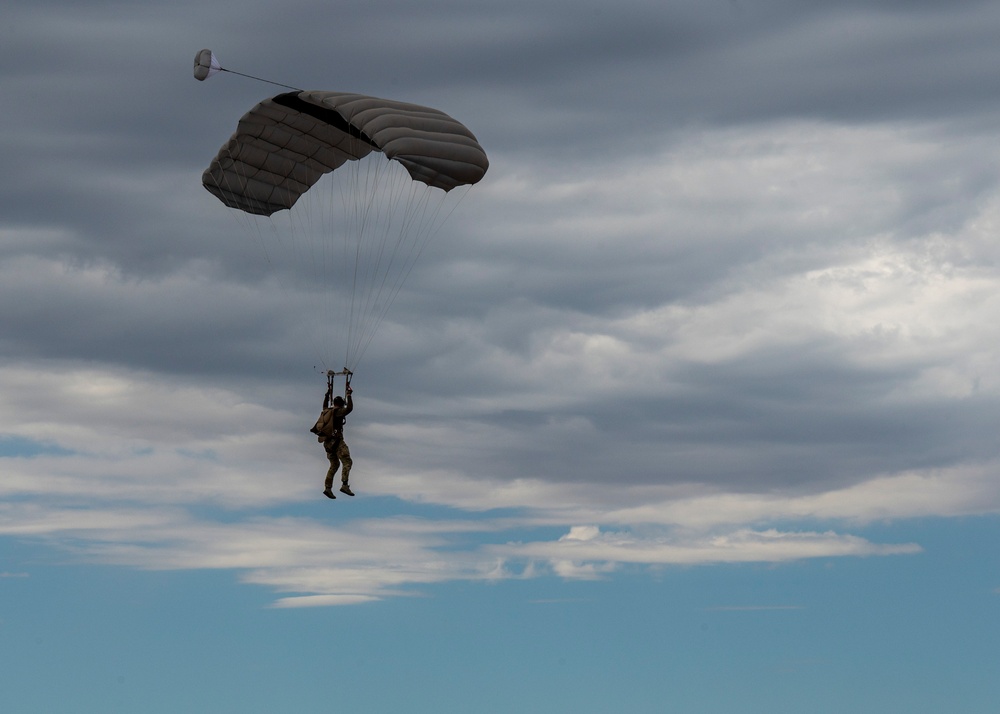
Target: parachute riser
331,378
260,79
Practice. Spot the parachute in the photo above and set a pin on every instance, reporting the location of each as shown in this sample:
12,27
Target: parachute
206,65
393,163
286,143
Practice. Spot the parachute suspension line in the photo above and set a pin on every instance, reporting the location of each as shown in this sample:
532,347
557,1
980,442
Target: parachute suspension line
388,282
385,181
360,218
370,215
418,221
295,232
284,237
375,252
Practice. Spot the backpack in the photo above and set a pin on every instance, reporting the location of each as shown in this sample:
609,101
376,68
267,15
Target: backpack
326,426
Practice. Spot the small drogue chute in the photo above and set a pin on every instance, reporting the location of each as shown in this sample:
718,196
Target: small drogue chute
206,65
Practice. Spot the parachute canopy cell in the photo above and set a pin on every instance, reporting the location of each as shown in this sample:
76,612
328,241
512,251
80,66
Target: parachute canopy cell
205,65
285,144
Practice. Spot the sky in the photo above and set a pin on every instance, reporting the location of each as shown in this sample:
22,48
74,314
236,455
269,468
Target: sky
690,405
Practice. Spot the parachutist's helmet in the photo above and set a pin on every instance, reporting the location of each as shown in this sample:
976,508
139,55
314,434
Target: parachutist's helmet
338,401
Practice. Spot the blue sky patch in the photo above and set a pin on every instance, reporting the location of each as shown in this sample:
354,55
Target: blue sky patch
19,447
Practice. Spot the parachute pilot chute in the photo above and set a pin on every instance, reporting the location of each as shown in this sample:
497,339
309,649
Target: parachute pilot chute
206,65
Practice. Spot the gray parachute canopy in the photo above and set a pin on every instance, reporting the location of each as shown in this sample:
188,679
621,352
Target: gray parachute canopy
285,144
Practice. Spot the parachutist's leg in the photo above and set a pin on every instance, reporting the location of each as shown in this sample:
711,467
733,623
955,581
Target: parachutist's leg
328,483
332,449
344,455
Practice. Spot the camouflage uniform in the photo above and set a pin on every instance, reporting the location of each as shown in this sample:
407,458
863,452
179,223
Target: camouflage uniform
330,431
338,453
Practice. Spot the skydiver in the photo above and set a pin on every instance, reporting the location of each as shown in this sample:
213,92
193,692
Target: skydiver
329,430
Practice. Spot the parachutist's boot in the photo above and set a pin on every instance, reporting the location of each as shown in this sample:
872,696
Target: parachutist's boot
328,493
346,489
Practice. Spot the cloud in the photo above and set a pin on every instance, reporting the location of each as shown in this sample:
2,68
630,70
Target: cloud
572,557
367,560
825,366
726,295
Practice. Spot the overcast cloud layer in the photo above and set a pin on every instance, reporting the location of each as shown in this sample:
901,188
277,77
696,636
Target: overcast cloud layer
727,292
